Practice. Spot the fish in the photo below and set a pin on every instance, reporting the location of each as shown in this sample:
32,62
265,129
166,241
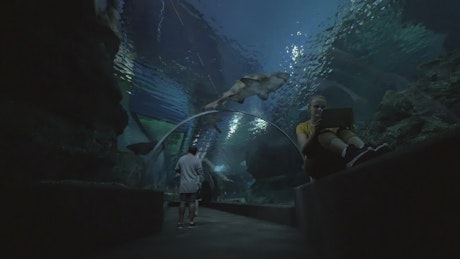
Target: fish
254,84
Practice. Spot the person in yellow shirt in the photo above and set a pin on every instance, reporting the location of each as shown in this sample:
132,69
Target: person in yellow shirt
331,149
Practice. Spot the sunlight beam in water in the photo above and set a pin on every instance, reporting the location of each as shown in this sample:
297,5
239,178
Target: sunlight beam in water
234,124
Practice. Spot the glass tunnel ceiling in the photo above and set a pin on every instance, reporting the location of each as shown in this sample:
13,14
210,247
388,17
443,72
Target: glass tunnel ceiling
176,56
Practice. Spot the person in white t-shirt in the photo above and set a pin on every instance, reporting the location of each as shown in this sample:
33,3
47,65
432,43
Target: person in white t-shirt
189,167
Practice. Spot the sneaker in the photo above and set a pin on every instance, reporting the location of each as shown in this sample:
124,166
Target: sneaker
180,225
382,149
354,155
191,224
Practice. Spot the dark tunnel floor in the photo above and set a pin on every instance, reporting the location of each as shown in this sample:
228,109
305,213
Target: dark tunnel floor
217,234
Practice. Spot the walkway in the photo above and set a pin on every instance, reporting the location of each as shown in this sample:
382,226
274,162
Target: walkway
218,234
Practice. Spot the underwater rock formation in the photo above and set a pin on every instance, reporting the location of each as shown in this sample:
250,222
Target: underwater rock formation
61,111
428,107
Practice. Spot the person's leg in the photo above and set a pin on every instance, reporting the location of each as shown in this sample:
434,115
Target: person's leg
181,209
332,142
192,211
197,201
350,138
196,207
181,212
358,151
192,199
353,152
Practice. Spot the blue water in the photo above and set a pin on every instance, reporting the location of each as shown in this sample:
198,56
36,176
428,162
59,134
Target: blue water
178,55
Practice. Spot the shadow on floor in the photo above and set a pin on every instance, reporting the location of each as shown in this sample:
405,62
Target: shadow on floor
217,234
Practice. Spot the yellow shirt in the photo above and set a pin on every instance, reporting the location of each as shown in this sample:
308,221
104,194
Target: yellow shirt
305,128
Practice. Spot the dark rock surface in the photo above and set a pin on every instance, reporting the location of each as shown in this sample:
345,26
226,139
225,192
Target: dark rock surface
60,116
60,104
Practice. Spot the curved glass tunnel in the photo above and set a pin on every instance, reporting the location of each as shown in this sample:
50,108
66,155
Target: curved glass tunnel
245,158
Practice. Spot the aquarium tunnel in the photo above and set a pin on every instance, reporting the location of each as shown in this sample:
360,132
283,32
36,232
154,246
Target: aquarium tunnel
384,59
100,99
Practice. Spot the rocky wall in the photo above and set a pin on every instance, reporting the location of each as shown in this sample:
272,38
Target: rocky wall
60,105
427,108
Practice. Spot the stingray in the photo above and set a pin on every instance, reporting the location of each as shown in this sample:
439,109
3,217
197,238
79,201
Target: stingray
255,84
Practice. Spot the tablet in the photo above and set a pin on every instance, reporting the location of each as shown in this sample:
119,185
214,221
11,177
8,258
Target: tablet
336,117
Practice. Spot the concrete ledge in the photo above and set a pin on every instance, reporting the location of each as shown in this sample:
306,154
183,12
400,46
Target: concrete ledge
68,220
281,214
401,205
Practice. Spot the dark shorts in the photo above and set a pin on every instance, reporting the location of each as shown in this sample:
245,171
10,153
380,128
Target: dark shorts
187,198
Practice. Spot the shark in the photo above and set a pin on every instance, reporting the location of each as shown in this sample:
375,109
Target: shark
254,84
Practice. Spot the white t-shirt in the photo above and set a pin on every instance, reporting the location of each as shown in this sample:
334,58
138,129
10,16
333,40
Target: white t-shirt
190,169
